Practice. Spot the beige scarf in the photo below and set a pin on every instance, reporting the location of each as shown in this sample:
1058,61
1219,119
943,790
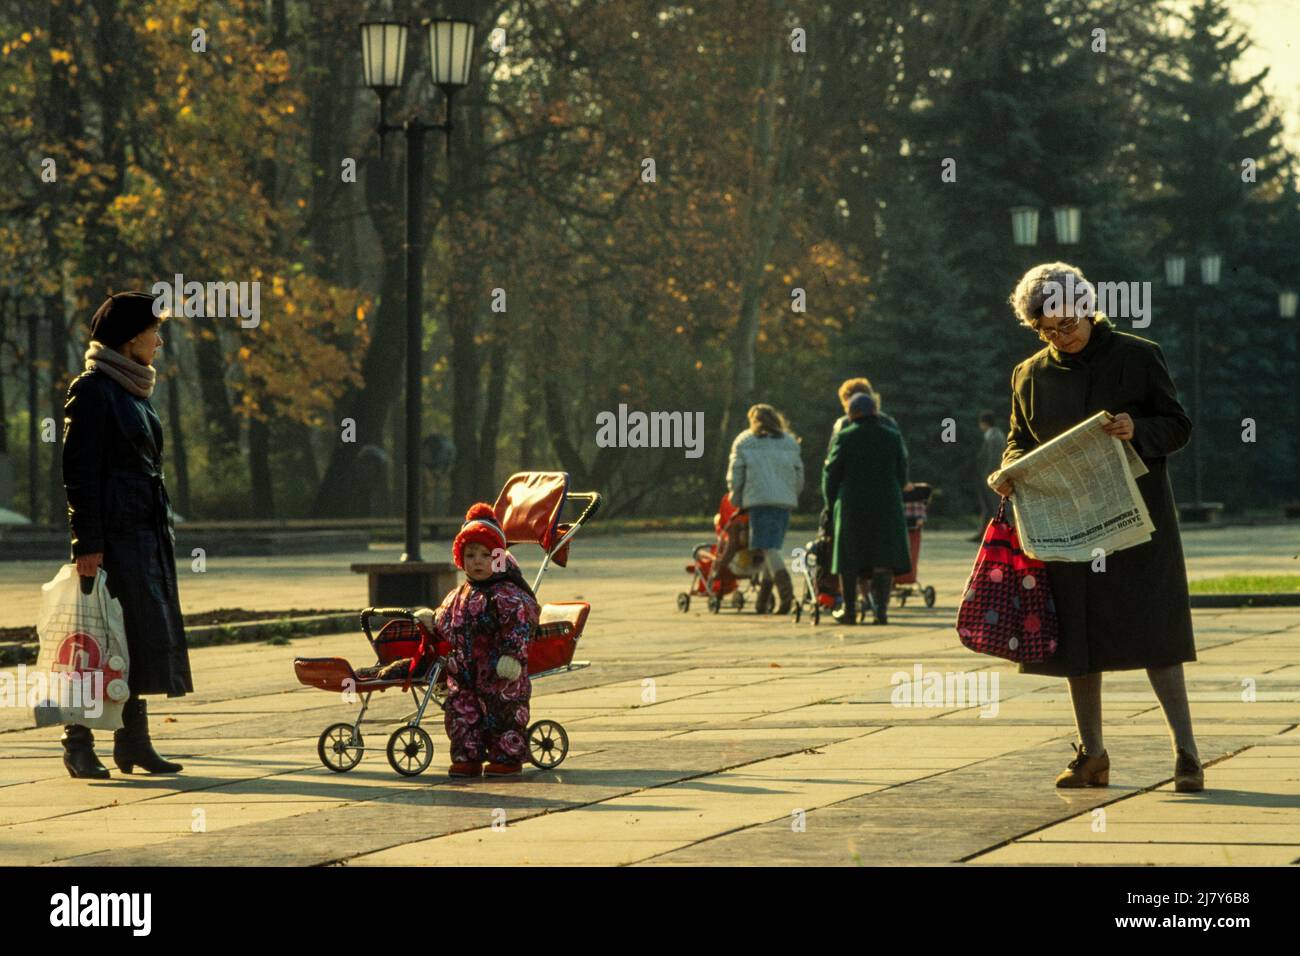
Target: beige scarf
135,378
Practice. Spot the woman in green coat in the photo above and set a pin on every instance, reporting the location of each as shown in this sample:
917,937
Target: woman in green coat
1134,612
863,482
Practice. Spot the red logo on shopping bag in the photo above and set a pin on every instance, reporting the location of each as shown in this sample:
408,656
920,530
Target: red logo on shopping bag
78,652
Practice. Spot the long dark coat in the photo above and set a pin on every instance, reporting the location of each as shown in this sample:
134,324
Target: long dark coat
1136,613
113,474
862,482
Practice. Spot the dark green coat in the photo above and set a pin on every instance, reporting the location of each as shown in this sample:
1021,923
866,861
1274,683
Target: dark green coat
862,482
1136,613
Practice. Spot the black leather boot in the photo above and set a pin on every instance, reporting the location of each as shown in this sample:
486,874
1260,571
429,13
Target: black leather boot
79,753
849,591
881,586
132,746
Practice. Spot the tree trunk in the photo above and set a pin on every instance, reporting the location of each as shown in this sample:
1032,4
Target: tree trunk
769,176
179,457
369,405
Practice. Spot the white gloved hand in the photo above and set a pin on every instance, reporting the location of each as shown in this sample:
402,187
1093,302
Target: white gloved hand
425,616
509,669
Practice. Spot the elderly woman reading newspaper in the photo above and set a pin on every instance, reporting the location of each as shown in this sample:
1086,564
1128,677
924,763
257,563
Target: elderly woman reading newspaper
1135,613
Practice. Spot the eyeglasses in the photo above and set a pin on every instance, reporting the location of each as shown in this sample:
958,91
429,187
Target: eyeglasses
1064,327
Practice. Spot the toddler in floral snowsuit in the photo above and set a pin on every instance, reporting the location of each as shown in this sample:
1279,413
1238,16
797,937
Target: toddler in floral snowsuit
488,621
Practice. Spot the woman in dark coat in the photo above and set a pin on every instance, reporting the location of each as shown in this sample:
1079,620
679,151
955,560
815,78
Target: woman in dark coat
1135,613
120,518
863,482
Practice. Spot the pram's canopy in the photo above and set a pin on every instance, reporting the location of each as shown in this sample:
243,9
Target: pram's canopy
529,507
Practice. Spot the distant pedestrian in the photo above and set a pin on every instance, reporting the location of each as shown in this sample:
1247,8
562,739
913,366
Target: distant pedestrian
857,386
1134,613
765,477
988,460
862,483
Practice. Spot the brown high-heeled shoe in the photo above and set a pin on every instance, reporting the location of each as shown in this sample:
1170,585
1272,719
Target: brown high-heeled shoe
1189,775
1085,770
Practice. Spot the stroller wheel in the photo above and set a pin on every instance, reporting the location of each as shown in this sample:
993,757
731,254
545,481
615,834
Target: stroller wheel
410,750
683,602
929,597
817,613
762,606
738,600
715,603
340,748
797,612
902,598
548,744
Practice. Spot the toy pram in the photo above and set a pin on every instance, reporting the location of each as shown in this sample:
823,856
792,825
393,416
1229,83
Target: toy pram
714,564
409,655
821,588
916,505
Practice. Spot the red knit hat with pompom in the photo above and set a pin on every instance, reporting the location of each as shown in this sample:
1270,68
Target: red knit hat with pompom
481,527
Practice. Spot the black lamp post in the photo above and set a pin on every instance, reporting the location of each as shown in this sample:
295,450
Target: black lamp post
1287,299
1211,267
1175,277
383,55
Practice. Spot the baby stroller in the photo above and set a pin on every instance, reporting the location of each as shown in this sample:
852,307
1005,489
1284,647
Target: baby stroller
410,656
916,505
715,564
821,588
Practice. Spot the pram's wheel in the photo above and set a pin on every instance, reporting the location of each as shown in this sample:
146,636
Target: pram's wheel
738,600
817,613
929,597
548,744
715,603
765,606
410,751
902,598
339,748
683,602
797,612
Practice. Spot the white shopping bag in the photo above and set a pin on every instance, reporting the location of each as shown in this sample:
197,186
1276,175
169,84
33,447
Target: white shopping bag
83,659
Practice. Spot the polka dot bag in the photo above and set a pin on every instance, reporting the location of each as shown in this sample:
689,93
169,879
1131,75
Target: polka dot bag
1007,608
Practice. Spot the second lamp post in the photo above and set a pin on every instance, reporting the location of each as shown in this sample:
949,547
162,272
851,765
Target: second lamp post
383,56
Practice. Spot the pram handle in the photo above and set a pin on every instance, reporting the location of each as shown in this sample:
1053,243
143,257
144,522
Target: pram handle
593,500
404,613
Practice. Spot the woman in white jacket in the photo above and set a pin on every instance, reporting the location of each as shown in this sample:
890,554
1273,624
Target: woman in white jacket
765,476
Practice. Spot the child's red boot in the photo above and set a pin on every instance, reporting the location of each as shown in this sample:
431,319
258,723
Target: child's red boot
502,769
466,768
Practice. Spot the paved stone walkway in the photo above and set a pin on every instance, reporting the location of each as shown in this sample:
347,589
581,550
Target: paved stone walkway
696,739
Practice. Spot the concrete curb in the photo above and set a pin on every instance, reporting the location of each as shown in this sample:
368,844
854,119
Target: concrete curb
1283,599
212,635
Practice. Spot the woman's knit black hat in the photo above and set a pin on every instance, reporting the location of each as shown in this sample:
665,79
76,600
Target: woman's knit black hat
122,317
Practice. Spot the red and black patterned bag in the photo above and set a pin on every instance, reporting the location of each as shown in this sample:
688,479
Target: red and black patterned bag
1007,608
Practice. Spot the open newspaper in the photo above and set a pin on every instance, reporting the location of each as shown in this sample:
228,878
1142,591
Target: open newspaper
1077,493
